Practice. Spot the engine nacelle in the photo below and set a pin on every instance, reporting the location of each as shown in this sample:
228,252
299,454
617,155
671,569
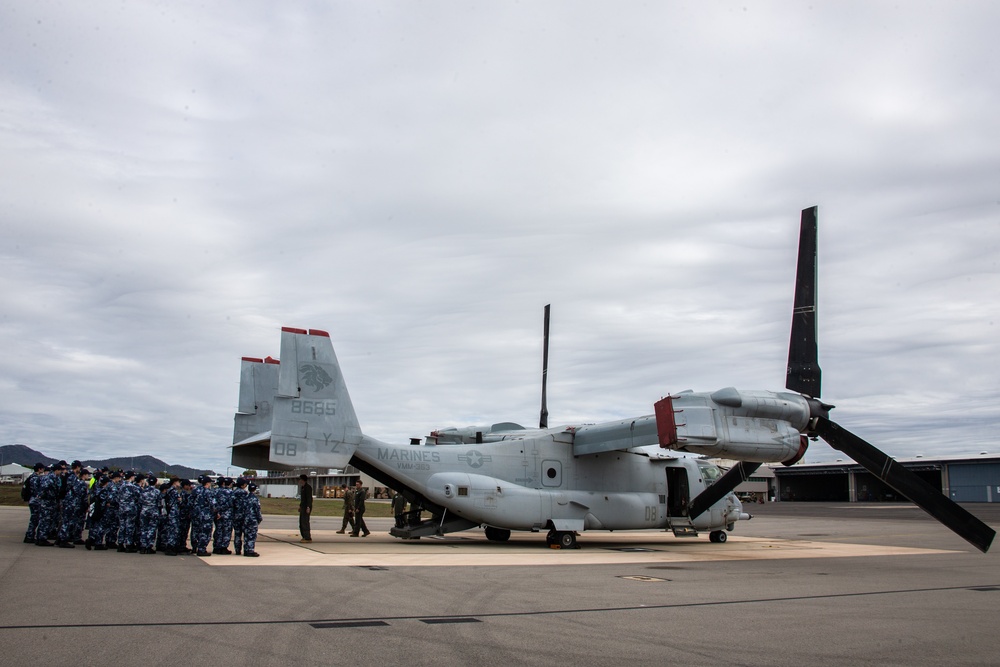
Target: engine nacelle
758,426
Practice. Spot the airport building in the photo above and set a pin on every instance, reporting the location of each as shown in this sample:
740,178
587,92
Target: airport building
12,473
964,479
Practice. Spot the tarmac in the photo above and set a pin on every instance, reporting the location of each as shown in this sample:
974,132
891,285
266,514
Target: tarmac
800,584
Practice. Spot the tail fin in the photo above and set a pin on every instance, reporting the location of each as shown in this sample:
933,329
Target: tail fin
314,423
258,385
252,425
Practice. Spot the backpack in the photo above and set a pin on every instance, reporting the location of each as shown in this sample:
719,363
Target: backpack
26,489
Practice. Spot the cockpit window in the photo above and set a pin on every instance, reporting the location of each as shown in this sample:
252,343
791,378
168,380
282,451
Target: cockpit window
709,473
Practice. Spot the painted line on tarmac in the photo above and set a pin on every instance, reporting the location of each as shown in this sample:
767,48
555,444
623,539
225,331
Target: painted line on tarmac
472,618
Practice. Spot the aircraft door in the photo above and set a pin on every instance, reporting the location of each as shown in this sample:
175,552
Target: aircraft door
678,492
551,473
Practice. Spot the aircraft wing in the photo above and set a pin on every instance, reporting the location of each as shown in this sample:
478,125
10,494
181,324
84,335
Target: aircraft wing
611,436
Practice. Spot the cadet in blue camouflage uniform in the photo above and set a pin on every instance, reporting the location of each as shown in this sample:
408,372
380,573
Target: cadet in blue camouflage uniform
186,504
83,492
99,524
70,502
223,517
33,484
48,505
240,496
170,527
161,522
111,509
150,510
128,514
81,501
251,519
202,514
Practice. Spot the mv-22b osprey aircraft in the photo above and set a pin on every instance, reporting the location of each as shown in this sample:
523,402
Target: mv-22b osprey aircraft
619,475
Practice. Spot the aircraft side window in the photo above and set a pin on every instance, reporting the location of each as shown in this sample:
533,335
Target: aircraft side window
551,473
463,491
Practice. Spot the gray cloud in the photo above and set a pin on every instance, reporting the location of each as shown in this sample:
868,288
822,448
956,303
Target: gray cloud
179,182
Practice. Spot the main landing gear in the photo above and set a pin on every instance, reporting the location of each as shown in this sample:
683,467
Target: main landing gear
497,534
562,539
717,536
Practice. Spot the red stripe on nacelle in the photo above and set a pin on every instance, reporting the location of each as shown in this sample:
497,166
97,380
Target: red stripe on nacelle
253,359
294,330
271,360
318,332
803,446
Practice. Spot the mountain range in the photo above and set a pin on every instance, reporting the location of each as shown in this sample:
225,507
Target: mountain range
28,457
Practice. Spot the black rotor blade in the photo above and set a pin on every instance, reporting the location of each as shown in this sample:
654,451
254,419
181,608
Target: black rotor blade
908,484
803,372
737,475
543,420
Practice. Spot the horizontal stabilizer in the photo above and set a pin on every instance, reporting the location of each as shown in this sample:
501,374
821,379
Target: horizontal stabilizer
258,439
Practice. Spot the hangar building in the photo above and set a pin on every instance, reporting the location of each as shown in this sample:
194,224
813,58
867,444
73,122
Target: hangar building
964,479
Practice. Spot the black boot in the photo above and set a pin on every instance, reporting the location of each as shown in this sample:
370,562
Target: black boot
42,543
100,547
203,553
251,554
121,549
29,540
65,545
89,544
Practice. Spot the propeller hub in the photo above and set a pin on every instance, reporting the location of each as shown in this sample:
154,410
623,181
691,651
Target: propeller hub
818,408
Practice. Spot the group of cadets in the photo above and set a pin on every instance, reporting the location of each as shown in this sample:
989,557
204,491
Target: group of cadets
129,513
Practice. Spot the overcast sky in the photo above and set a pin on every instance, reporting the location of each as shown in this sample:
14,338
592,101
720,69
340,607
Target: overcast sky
178,181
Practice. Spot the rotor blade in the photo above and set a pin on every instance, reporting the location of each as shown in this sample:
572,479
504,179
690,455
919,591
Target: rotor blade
803,373
908,484
737,475
543,421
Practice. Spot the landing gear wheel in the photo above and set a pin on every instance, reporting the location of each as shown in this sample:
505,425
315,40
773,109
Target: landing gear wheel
562,539
497,534
717,536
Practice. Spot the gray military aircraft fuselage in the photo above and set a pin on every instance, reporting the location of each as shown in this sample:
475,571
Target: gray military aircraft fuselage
565,480
619,475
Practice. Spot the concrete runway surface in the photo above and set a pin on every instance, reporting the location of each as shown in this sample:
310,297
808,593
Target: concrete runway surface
800,584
